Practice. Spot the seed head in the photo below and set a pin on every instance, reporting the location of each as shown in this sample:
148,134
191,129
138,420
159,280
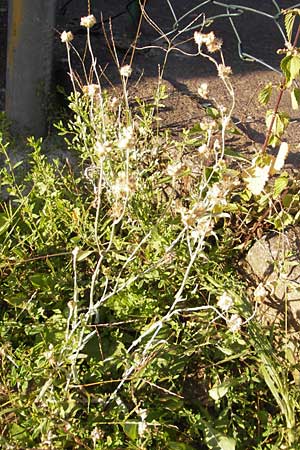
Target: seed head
66,36
203,90
88,21
225,302
224,71
234,323
125,71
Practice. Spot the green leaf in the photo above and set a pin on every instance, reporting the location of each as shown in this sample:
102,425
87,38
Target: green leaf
227,443
290,66
18,300
294,66
4,223
279,126
283,220
218,441
295,98
265,94
279,185
83,254
285,67
131,430
217,392
289,20
40,280
213,112
179,446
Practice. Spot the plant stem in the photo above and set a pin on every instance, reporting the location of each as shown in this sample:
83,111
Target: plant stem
279,98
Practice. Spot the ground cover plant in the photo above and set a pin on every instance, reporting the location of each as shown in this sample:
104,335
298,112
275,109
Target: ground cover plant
125,320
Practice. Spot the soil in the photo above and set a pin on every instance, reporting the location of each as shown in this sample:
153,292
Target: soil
182,73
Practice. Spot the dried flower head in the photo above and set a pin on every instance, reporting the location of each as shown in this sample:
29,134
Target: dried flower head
224,71
212,43
203,90
225,302
101,149
123,186
88,21
234,323
126,137
126,71
91,90
175,170
199,37
260,291
203,149
66,36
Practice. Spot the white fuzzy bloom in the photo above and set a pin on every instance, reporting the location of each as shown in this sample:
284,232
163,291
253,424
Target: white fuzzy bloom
224,71
142,426
260,291
88,21
91,89
199,37
225,302
125,138
101,149
203,90
203,149
66,36
175,170
125,71
234,323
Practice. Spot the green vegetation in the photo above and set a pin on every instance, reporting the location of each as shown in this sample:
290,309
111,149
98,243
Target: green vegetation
125,322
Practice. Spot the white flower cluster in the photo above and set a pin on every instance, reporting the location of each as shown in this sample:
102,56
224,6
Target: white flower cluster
88,21
225,303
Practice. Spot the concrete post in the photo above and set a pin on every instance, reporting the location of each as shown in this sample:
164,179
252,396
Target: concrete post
29,64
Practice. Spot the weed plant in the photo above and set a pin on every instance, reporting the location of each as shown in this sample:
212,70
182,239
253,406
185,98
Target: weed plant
125,322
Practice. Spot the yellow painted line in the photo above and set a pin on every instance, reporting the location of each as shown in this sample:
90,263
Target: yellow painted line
15,29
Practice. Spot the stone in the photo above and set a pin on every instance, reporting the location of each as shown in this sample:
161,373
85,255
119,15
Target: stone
274,261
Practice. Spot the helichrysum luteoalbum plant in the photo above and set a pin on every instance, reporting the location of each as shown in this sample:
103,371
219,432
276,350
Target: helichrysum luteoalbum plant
124,320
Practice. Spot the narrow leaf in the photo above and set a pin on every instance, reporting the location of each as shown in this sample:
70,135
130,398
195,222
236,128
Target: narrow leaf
279,185
289,20
217,392
295,98
294,66
265,94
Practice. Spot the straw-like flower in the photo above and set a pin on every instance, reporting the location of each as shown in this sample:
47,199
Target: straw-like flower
91,89
225,302
125,71
126,136
213,43
203,90
260,291
199,37
234,323
66,36
101,149
88,21
176,169
224,71
203,149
